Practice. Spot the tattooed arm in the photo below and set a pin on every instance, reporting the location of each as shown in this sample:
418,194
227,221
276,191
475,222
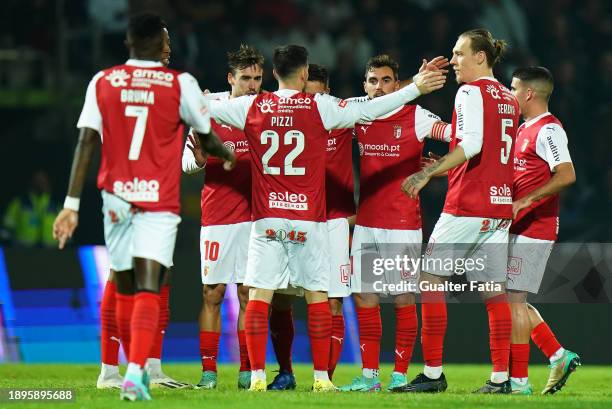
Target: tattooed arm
412,185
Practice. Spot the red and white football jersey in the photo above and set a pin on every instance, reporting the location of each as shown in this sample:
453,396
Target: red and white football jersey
339,185
391,148
226,196
139,109
485,120
541,145
288,134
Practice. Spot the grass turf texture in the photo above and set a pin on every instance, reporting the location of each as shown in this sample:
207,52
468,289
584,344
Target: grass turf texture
589,387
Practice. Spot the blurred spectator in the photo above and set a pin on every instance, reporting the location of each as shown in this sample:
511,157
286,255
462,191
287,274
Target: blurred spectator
320,47
29,218
354,49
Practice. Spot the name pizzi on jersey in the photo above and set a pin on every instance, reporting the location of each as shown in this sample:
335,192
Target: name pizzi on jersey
287,200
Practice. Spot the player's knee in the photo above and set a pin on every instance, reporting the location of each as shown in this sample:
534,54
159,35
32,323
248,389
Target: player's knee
282,302
213,295
404,300
243,296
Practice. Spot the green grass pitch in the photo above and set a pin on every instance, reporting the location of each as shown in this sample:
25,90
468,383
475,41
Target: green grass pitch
589,387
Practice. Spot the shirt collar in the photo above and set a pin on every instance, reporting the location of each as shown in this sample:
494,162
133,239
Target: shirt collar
143,63
536,119
286,92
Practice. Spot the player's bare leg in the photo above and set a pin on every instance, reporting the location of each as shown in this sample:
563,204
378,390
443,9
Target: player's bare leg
210,332
319,332
337,338
519,346
433,309
562,361
109,376
244,375
500,332
370,334
282,333
148,274
256,330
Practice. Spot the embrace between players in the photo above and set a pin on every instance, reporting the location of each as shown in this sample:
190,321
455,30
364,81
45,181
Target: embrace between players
278,224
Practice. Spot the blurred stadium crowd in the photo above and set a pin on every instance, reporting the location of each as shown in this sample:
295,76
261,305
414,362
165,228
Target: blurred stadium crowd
49,49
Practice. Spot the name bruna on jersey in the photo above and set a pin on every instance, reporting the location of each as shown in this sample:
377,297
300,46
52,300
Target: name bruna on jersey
137,190
286,200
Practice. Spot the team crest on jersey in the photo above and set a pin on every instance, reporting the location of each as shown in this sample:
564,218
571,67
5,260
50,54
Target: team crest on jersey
117,78
231,146
266,106
397,131
491,89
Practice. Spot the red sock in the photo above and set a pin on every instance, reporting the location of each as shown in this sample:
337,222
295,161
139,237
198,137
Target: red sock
109,333
244,353
209,350
544,338
123,314
500,331
519,360
433,310
406,328
256,330
164,317
370,333
283,332
144,326
320,332
337,339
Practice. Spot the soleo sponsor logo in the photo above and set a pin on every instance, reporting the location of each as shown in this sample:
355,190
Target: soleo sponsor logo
500,194
286,200
137,190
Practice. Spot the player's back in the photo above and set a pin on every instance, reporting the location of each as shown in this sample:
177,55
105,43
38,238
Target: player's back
339,174
287,141
141,134
482,186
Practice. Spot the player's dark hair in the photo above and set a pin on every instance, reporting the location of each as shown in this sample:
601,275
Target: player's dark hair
482,40
288,59
538,75
380,61
145,32
318,73
244,57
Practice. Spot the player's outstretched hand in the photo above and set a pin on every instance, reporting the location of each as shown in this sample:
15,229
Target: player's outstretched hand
437,64
412,185
63,227
519,205
429,81
196,149
230,164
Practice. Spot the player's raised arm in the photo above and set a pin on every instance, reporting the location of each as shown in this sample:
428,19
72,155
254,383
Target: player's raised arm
337,114
429,125
232,111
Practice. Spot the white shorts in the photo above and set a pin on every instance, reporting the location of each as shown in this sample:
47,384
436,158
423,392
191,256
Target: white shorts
340,264
130,234
285,252
474,246
527,258
223,252
370,243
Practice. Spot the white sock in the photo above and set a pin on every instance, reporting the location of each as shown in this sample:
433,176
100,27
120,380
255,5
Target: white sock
499,377
557,355
153,365
520,381
370,373
321,375
109,370
432,372
134,369
257,375
398,373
